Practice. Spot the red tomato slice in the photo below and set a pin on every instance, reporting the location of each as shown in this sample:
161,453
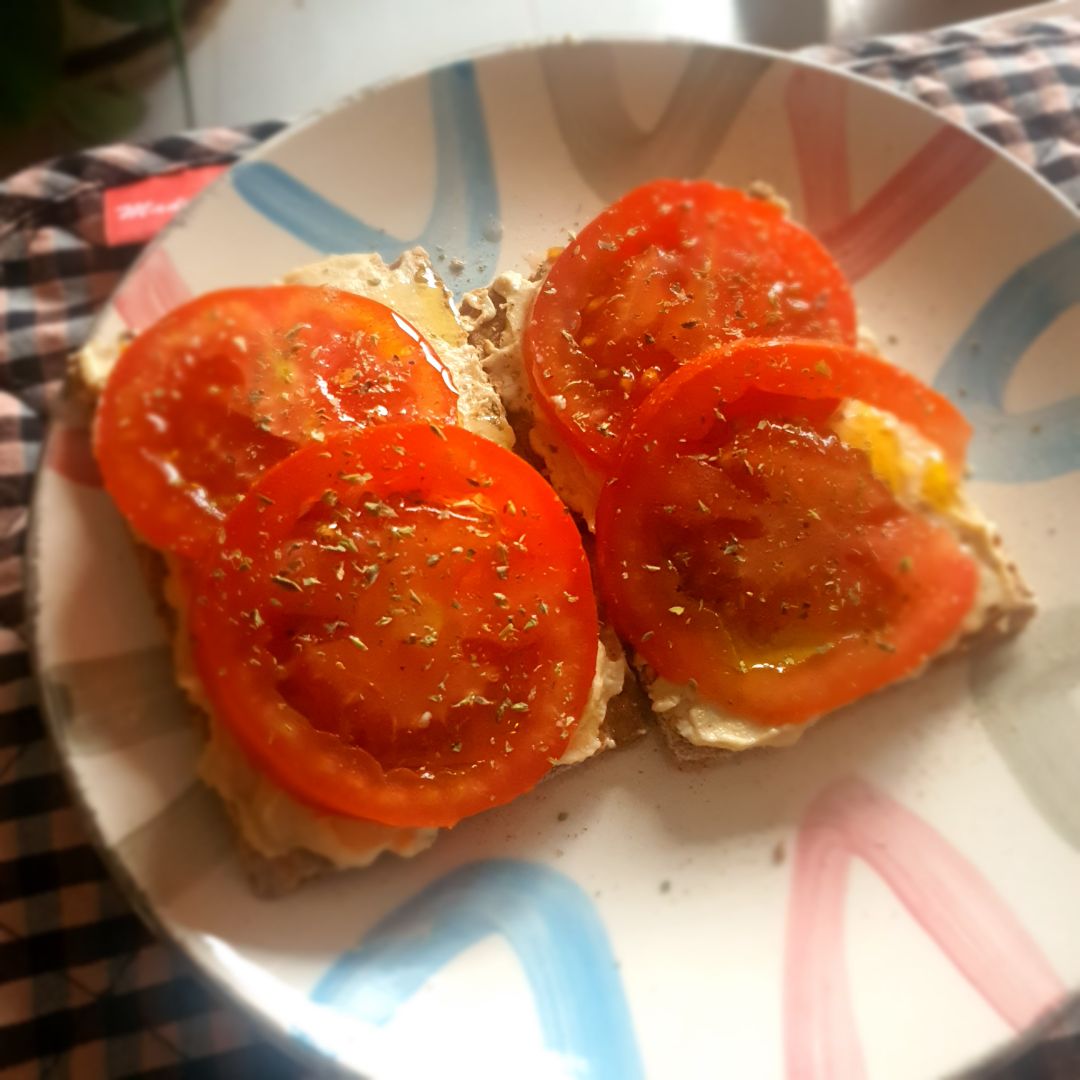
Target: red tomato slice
671,270
399,626
209,397
743,547
816,370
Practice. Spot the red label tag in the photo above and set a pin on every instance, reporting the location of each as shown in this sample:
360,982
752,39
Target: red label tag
135,212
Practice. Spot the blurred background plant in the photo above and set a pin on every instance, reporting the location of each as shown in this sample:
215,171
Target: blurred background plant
71,70
82,72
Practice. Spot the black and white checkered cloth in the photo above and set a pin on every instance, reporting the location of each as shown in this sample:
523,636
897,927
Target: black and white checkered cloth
85,990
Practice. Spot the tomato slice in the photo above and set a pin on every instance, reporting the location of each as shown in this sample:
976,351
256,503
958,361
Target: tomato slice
399,625
671,270
744,548
213,394
816,370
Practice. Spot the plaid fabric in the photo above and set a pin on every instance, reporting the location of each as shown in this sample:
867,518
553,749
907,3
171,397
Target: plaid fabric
85,990
1020,88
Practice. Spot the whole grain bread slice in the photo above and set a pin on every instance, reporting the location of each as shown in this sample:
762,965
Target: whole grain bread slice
411,286
496,317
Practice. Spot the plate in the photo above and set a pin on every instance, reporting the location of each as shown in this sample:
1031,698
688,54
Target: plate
791,914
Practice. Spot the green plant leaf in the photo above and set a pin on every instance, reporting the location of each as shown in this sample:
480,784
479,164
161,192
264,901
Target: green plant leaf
137,12
98,113
31,35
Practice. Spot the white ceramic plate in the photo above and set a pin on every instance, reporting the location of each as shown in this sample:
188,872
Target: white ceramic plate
892,898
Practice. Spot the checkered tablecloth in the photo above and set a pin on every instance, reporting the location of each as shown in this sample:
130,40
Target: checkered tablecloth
85,990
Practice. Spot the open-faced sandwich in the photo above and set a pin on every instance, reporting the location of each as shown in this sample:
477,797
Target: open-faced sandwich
388,618
780,518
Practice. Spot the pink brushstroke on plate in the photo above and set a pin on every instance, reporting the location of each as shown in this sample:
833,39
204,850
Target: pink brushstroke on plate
151,290
942,891
860,240
816,113
68,453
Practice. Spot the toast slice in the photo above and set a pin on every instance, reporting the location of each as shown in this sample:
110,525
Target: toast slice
283,842
695,730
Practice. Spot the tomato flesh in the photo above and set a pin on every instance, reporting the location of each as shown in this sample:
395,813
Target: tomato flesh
744,549
209,397
671,270
399,625
816,371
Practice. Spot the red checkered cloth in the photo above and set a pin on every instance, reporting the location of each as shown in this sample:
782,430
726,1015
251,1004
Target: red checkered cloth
85,990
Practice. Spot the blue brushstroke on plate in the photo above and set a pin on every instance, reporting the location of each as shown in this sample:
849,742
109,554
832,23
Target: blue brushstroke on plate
1040,443
464,219
548,921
